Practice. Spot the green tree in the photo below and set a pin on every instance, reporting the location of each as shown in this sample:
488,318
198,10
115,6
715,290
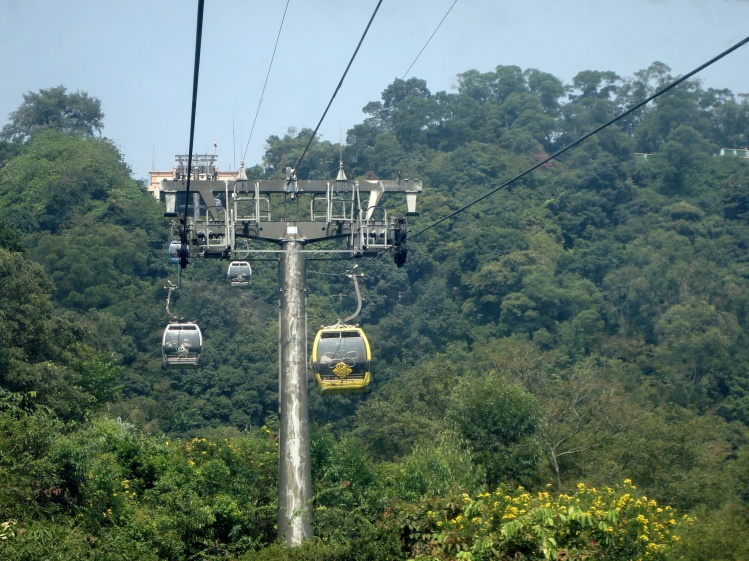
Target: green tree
591,96
581,412
408,409
694,349
320,161
438,468
59,178
681,153
54,108
10,238
717,535
498,420
671,454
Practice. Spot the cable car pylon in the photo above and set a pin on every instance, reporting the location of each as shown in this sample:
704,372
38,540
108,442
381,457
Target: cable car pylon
342,209
294,456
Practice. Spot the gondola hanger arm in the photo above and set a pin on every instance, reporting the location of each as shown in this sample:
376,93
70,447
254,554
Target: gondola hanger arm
358,297
169,289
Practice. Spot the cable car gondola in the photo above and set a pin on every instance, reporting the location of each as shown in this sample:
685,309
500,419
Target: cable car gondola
341,359
182,345
239,273
174,247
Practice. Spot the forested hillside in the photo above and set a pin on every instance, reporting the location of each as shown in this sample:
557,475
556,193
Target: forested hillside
560,372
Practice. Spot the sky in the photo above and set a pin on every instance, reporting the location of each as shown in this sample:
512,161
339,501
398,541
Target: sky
137,58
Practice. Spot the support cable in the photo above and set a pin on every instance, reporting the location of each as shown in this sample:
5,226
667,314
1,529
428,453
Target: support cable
584,137
273,56
565,148
428,40
299,161
183,251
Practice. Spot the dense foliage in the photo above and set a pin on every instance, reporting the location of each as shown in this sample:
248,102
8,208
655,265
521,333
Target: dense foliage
54,109
561,371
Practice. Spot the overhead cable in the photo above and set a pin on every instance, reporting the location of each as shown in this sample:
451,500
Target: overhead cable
584,137
196,71
340,83
566,148
266,79
430,38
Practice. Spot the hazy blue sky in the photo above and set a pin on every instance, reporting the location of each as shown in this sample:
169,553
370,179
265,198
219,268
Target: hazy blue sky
137,56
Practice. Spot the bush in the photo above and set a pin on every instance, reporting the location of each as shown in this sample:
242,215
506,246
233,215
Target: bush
613,525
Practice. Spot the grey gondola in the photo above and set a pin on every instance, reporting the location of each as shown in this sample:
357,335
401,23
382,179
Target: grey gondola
182,345
239,273
174,247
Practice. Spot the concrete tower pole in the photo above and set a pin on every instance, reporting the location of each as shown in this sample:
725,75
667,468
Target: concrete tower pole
294,470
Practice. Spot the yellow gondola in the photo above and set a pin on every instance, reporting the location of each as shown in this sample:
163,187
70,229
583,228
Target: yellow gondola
341,359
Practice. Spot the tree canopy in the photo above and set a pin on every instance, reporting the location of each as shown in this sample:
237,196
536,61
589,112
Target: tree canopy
560,371
72,113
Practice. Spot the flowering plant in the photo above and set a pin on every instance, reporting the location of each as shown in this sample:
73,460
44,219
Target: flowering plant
612,524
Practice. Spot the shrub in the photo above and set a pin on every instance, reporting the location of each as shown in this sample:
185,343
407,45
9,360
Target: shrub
612,524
